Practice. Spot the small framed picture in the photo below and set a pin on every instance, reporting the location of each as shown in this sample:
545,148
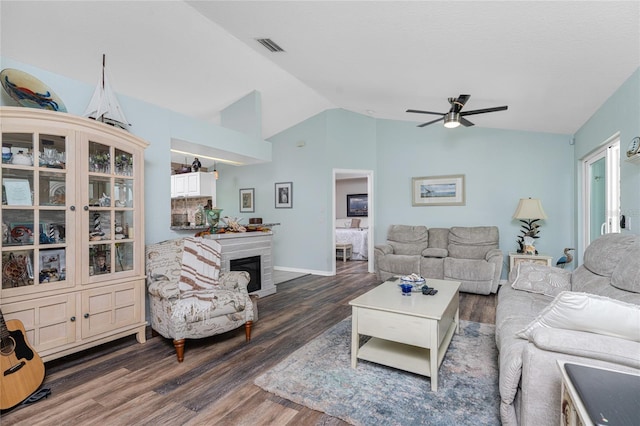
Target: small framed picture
438,190
247,200
17,192
284,195
52,265
357,205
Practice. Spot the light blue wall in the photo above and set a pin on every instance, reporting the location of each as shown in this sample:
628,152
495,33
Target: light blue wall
244,115
157,126
620,113
500,167
334,139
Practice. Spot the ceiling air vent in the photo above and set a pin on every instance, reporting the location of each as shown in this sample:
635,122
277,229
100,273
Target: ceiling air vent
269,44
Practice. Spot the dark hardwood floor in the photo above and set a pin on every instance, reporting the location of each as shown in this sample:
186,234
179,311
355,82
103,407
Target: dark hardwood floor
125,383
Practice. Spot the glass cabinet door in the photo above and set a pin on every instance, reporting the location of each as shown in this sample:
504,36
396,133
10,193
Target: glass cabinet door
111,210
35,224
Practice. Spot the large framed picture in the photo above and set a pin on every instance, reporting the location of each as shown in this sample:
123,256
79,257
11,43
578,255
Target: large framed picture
284,195
438,190
357,205
247,200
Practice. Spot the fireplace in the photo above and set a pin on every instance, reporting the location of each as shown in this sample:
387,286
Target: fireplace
252,266
255,246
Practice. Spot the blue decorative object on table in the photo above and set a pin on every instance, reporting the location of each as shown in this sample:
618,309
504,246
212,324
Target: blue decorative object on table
406,289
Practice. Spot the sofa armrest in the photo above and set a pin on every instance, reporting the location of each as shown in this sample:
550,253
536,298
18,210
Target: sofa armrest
384,249
234,280
435,252
163,288
494,254
588,345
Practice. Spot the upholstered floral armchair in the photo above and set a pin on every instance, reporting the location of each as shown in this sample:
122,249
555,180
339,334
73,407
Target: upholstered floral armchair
189,297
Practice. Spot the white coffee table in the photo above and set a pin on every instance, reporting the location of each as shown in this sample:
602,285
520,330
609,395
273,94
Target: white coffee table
411,333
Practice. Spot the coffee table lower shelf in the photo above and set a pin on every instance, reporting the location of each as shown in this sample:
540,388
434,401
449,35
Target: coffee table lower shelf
404,357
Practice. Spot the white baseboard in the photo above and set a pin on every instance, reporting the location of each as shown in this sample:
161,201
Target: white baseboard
302,271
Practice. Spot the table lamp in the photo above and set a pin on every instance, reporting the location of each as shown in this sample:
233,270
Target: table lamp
529,211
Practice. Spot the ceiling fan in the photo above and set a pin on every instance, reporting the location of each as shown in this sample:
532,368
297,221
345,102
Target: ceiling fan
455,116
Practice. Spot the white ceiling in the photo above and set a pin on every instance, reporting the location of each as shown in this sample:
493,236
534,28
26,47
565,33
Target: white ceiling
553,63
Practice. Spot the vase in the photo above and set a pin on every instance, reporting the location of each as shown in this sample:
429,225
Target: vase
213,217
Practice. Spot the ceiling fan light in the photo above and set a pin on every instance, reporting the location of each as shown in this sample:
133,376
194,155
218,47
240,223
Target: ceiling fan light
452,120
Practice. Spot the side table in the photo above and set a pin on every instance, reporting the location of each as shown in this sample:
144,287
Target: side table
599,396
344,251
516,258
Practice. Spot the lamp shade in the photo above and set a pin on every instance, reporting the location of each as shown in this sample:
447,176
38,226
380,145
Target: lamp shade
529,208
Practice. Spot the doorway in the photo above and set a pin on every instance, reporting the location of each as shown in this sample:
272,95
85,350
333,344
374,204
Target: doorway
601,192
366,176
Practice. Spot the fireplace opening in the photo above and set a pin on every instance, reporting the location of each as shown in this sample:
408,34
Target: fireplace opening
252,266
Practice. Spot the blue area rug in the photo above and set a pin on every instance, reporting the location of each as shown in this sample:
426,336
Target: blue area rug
319,376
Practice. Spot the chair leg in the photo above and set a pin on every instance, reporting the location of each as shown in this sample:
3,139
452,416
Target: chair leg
179,345
247,330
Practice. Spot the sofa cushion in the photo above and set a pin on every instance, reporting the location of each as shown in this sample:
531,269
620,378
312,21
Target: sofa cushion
475,276
472,242
515,311
439,238
584,344
468,269
626,276
591,313
541,279
603,255
399,264
434,252
407,239
432,267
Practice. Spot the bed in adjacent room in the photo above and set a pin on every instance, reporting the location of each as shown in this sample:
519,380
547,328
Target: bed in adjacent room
357,236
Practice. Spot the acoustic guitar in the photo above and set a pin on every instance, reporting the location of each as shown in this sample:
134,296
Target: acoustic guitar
21,369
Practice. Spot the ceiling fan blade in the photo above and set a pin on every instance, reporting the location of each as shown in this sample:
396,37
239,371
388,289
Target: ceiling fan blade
460,102
431,122
465,122
426,112
482,111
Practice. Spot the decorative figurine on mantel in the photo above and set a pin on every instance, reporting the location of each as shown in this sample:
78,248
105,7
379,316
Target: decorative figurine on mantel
196,165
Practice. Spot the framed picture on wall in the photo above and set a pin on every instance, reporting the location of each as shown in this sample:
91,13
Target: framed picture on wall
357,205
284,195
438,190
247,200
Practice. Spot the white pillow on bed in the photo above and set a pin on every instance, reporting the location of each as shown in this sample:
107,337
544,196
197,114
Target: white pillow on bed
588,312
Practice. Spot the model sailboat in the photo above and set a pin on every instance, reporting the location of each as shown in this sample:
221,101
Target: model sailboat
104,105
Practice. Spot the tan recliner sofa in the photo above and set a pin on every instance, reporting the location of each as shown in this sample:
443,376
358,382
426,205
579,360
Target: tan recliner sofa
466,254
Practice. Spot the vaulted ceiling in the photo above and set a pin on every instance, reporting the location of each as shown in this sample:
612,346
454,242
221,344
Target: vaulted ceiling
553,63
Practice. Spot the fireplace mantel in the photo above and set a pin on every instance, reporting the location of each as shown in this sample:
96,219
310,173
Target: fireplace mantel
238,245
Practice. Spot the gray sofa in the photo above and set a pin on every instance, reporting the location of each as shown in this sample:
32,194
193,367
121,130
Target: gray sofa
466,254
555,328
